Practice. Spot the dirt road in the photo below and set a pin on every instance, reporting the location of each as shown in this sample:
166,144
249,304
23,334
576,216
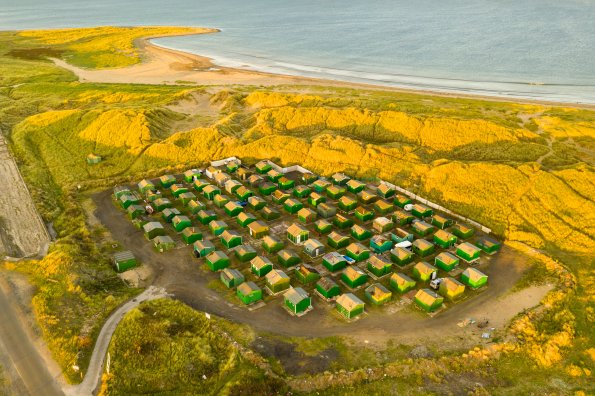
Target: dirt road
22,232
179,273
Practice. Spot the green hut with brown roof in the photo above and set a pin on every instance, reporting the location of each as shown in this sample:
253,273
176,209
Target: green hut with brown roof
232,209
297,300
231,239
206,216
191,235
301,191
279,197
191,175
451,288
181,222
360,233
126,200
444,239
326,210
421,211
402,218
161,204
200,184
327,288
367,197
271,244
380,244
423,271
488,245
231,278
320,185
167,180
401,282
232,166
244,193
249,293
377,294
145,185
297,234
255,180
210,191
462,231
355,186
422,248
258,229
221,200
169,214
335,192
186,198
385,191
288,258
163,243
441,222
422,228
316,199
383,207
268,213
334,261
277,281
349,305
401,235
347,204
263,167
153,229
256,203
468,252
309,178
401,256
337,240
342,222
402,200
245,253
322,226
474,278
203,248
285,184
267,188
217,260
364,214
382,225
306,215
446,261
306,274
244,219
260,266
354,277
135,211
217,227
340,179
274,176
428,300
178,189
357,251
293,205
379,266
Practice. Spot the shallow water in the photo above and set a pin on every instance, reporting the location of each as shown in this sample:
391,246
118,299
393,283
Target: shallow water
539,49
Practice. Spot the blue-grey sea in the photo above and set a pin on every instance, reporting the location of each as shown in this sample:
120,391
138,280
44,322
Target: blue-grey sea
539,49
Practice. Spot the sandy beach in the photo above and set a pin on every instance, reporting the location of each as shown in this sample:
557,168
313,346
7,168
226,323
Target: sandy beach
172,67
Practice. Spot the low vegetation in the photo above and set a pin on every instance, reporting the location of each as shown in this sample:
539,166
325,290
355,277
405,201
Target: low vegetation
526,171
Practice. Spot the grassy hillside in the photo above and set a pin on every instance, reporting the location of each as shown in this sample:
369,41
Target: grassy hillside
526,171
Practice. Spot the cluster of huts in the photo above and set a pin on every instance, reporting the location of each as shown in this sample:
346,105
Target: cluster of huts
269,232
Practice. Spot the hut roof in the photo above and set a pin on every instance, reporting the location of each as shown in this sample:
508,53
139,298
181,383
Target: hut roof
349,301
424,267
295,295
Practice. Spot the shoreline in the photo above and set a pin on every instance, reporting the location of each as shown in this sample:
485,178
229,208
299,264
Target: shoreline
163,65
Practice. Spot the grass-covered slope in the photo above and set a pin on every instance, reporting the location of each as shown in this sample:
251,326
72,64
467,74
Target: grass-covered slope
524,170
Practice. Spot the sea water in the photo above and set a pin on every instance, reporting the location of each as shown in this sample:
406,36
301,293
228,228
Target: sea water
536,49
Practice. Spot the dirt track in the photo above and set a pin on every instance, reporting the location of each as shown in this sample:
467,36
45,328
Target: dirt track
184,276
22,232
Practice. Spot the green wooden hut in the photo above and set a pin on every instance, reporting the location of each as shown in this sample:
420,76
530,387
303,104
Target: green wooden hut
258,229
231,186
277,281
233,209
421,211
167,180
428,300
256,203
260,266
451,288
153,229
423,271
334,261
145,185
123,261
221,200
263,167
293,205
245,253
380,244
355,186
288,258
342,222
178,189
383,207
322,226
382,225
297,234
400,235
163,243
320,185
232,166
274,176
444,239
340,179
244,193
121,190
127,200
206,216
306,215
357,251
462,231
297,301
364,214
337,240
255,180
271,244
245,218
316,199
191,235
379,266
335,192
422,228
360,233
349,305
402,218
306,274
468,252
161,204
313,248
401,282
192,175
474,278
367,197
279,197
232,278
231,239
377,294
203,248
181,222
186,198
169,214
200,184
135,211
301,191
327,288
446,261
422,248
210,192
441,222
401,256
249,293
285,184
385,191
488,245
309,178
217,227
347,204
326,210
353,277
217,260
402,200
269,213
